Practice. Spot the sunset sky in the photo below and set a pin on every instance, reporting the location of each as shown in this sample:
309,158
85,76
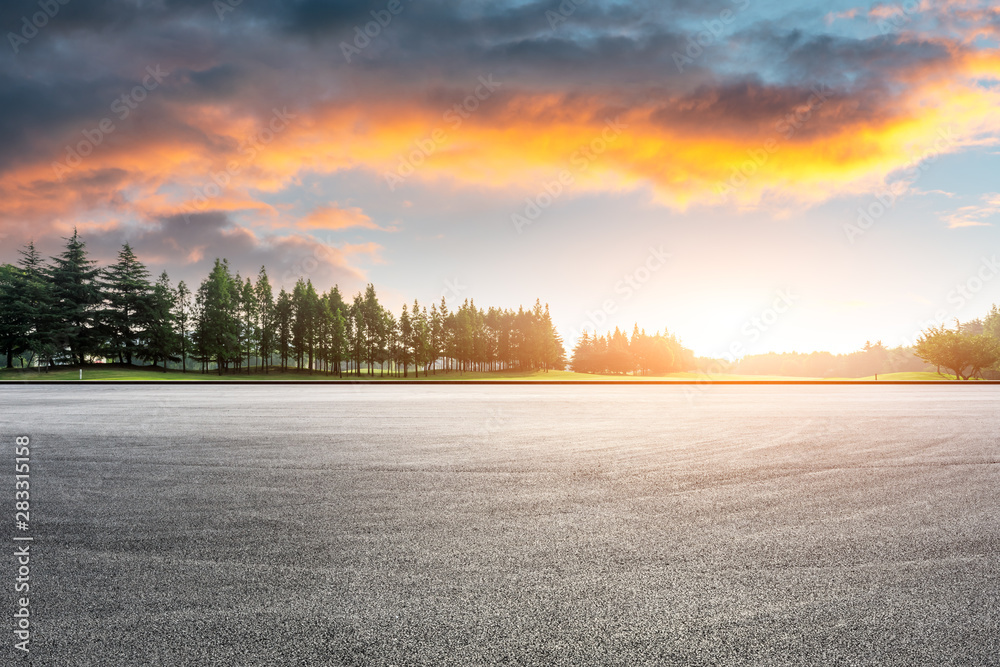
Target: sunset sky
751,175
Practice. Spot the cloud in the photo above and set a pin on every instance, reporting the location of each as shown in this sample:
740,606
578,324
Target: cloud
332,217
598,97
975,216
187,247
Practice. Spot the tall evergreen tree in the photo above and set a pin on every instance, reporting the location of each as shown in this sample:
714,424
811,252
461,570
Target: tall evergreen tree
182,315
283,319
76,294
371,315
419,340
218,326
248,312
405,339
265,317
13,322
446,329
358,333
300,322
127,291
33,300
313,315
162,342
436,337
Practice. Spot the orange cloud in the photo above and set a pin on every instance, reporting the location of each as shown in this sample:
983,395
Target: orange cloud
818,147
332,217
773,146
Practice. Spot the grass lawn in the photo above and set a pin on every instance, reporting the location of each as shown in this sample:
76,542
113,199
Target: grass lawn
114,373
922,376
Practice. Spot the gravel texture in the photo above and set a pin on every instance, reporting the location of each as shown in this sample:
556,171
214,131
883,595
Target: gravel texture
398,525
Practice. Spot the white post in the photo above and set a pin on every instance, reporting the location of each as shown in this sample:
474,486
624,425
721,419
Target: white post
81,373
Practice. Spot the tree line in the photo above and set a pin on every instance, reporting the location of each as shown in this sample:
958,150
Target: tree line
872,359
967,350
642,354
69,310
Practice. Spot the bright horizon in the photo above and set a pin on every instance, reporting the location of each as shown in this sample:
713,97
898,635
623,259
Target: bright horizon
744,175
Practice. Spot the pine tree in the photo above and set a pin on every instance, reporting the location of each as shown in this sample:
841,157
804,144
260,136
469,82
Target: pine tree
34,301
418,338
446,328
436,336
128,291
13,320
371,314
248,308
182,315
265,317
405,338
300,322
161,338
339,339
283,319
218,328
583,354
554,356
76,295
312,326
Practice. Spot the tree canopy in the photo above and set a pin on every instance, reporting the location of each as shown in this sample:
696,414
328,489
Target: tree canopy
964,353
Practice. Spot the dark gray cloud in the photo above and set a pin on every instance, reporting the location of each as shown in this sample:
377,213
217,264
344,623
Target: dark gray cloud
837,60
187,246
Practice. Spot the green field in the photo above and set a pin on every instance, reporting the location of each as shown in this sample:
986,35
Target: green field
117,373
124,374
921,376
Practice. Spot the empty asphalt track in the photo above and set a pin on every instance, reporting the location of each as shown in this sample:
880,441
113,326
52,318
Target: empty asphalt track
756,525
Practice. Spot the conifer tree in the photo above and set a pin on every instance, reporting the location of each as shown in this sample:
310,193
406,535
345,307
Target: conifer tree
76,295
127,291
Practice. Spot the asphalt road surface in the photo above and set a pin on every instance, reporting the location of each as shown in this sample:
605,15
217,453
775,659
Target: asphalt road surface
521,525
